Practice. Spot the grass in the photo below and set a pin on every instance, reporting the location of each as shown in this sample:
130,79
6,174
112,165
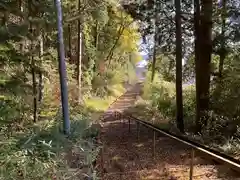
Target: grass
40,151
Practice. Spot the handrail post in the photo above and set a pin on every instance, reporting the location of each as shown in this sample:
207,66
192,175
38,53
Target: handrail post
138,130
154,144
123,119
101,156
129,125
191,164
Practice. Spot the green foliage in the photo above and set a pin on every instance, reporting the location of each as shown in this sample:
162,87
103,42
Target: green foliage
38,150
165,66
45,153
161,95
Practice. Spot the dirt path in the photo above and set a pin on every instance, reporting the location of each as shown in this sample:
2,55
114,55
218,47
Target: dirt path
126,157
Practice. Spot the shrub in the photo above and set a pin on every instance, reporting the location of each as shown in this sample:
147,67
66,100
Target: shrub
45,153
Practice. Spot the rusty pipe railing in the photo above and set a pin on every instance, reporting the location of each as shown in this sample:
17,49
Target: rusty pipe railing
229,161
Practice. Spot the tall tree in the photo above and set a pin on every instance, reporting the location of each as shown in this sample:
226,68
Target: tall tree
205,53
155,39
70,43
79,54
197,60
179,99
223,29
32,60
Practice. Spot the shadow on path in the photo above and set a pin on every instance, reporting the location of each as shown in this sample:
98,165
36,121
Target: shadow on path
127,157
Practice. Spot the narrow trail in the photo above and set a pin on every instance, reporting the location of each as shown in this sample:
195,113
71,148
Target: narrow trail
125,157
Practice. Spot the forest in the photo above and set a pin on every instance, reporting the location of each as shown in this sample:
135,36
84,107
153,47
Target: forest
192,82
101,49
191,86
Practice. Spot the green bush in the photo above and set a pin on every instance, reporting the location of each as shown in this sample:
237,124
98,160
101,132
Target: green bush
162,97
189,107
45,153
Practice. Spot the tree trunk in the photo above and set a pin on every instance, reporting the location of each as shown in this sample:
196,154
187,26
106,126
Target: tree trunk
96,35
96,46
40,85
205,52
62,70
70,43
197,61
110,54
79,60
33,68
34,89
179,99
155,41
223,49
21,6
154,58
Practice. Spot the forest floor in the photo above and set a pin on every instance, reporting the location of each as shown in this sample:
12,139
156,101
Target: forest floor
126,157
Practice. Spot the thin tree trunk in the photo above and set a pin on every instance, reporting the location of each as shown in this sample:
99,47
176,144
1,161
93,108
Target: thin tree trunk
21,5
79,62
96,35
96,45
110,54
70,43
179,99
33,68
223,50
155,41
197,61
34,84
120,32
40,85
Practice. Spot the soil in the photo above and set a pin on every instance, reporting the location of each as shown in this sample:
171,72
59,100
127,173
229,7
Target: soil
125,156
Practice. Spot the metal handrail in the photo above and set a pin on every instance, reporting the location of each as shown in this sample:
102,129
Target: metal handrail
234,164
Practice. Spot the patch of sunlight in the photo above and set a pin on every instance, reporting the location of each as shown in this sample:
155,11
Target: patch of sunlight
117,90
102,104
230,147
48,113
97,104
116,157
139,145
227,147
154,174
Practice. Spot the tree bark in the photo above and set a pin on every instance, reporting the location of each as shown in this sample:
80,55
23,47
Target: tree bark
96,36
40,85
155,41
179,99
120,32
33,66
70,43
223,49
62,70
205,52
79,60
34,89
197,61
110,54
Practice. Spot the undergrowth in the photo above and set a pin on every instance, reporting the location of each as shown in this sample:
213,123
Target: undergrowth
40,151
158,105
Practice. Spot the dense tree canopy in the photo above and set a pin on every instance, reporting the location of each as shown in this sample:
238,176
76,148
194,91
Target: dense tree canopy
100,40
